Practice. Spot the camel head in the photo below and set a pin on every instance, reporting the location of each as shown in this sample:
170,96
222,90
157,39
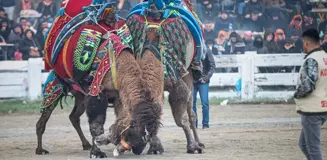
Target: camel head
145,122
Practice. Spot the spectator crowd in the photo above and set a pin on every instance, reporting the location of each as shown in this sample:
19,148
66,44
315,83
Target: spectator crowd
230,26
264,26
24,24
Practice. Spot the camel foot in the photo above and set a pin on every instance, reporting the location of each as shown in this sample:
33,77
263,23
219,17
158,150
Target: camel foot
155,146
97,154
193,147
87,146
40,151
201,145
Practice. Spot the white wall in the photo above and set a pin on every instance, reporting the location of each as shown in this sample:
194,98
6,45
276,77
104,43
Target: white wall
23,79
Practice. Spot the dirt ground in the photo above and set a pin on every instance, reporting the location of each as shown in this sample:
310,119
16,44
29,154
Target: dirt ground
237,132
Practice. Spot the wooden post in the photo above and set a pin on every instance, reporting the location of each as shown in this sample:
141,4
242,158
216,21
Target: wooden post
247,72
34,78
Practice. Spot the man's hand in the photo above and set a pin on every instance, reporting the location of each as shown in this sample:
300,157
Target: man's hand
202,80
247,16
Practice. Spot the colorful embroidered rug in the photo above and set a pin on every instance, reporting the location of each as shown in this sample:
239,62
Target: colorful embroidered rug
100,65
176,45
52,90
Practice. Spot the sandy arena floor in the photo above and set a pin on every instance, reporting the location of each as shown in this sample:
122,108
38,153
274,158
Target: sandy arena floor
238,132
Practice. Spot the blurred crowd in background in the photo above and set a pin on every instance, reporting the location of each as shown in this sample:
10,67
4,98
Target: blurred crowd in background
231,26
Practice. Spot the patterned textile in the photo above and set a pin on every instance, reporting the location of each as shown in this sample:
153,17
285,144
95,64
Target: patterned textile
308,78
52,90
125,35
52,35
174,9
85,52
104,61
136,26
175,37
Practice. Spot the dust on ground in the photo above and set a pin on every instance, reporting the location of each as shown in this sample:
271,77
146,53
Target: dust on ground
237,132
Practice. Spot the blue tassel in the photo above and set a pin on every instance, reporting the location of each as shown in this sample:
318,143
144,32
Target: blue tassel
60,12
98,2
50,78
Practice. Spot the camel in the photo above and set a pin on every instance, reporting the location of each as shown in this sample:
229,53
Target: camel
171,44
136,126
114,76
160,73
130,92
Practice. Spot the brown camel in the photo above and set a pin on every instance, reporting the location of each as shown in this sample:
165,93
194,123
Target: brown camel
157,48
163,47
146,123
129,93
136,125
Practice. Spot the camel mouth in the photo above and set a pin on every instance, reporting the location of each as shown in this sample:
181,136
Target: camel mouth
125,144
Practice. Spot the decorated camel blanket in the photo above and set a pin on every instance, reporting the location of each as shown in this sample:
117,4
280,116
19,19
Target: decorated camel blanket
176,44
82,59
163,10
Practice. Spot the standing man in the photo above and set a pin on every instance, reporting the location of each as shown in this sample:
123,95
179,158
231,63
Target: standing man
202,86
9,6
311,95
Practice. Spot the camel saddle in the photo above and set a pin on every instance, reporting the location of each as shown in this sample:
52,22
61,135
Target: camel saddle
83,58
165,9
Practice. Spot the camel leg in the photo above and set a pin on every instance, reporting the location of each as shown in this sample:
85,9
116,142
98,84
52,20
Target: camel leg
155,145
179,96
40,127
189,81
96,111
74,117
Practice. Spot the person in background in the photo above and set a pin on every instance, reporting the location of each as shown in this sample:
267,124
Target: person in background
324,43
9,7
2,14
275,3
29,46
209,32
311,95
40,37
257,46
279,39
275,18
288,46
23,5
26,5
295,25
227,5
5,29
296,41
221,42
306,6
15,37
224,22
253,5
48,10
23,21
255,23
209,10
248,38
213,48
202,86
269,42
235,44
309,22
26,26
